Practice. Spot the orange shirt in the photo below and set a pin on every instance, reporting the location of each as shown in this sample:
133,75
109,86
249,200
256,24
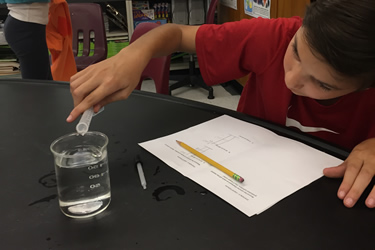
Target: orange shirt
59,41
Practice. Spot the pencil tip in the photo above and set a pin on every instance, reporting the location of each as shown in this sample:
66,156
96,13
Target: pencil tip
178,142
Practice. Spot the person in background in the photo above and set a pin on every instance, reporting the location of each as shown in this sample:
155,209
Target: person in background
316,75
25,32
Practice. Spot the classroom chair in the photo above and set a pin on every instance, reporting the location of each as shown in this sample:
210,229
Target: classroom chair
88,28
158,68
192,79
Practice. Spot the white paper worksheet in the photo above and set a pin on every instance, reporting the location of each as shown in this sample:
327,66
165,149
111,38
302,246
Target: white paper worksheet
273,166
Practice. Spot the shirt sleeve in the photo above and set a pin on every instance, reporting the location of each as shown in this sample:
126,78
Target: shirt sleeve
234,49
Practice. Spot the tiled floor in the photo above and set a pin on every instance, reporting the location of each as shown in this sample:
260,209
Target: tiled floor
224,97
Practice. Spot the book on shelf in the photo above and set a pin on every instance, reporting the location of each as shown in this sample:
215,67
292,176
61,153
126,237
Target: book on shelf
9,67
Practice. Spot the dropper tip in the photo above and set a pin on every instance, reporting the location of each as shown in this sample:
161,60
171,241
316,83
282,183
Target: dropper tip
82,128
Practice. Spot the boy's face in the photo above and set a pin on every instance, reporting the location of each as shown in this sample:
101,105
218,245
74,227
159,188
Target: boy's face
306,75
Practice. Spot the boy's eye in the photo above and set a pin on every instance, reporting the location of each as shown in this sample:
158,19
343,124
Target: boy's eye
324,87
321,85
295,51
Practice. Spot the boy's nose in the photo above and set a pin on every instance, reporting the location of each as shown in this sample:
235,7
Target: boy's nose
296,80
297,85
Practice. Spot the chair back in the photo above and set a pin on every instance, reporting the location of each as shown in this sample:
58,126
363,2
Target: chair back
158,68
191,78
88,27
210,17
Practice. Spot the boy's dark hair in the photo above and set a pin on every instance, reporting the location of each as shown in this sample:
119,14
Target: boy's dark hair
343,33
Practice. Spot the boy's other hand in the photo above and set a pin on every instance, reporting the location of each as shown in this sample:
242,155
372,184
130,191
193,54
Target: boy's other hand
358,170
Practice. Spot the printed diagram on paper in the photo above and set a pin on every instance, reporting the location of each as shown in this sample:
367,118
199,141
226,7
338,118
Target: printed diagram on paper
273,166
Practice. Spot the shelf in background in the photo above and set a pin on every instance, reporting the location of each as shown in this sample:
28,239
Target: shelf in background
117,35
2,38
112,35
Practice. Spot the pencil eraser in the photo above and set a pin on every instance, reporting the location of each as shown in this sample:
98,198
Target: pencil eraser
241,179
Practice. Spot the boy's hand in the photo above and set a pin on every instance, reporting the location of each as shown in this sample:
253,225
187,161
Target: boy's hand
107,81
358,170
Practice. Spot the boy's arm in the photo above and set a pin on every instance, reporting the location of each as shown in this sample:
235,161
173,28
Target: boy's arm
358,170
115,78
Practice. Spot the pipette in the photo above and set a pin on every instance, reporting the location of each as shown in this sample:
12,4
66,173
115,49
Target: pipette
84,123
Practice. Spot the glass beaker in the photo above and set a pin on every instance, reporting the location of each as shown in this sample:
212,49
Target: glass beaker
82,174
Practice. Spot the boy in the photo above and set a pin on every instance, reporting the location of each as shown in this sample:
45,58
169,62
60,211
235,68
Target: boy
316,76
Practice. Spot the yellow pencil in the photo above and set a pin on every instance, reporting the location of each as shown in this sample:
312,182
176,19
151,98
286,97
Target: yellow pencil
211,162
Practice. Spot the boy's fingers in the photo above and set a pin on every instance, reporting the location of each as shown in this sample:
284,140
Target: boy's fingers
353,166
101,96
78,75
97,107
335,172
361,182
88,102
84,77
79,78
117,96
77,111
370,201
82,91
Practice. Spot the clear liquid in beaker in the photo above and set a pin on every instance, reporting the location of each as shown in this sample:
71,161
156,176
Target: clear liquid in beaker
83,182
